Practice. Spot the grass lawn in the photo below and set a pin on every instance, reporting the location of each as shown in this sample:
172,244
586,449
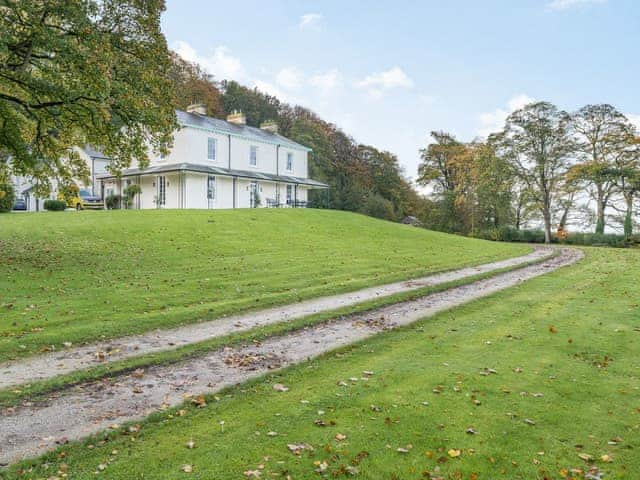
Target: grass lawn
76,277
565,396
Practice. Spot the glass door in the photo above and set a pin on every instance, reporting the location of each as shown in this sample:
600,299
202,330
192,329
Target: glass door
211,191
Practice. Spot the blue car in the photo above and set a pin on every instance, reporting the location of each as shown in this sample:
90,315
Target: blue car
20,204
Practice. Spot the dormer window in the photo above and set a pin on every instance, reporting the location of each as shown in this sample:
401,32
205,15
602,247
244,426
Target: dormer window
253,156
212,149
289,165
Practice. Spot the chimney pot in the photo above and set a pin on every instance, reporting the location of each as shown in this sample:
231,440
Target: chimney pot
270,126
198,108
236,117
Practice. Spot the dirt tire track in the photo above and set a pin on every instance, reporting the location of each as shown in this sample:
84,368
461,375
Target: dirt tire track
31,430
49,365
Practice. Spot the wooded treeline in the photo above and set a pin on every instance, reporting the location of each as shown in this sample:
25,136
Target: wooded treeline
361,178
545,168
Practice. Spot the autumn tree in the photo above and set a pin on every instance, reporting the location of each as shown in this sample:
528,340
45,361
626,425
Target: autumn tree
474,185
73,73
193,85
536,142
601,133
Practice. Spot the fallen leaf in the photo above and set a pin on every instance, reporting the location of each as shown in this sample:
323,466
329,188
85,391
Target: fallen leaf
278,387
340,437
190,444
199,401
454,452
586,457
187,468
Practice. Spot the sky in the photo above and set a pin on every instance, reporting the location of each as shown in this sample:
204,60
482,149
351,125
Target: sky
390,72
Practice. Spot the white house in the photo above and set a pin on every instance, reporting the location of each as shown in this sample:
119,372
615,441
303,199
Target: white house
96,162
220,164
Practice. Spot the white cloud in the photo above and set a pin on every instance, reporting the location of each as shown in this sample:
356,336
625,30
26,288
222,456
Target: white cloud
376,83
392,78
221,64
567,4
491,122
326,82
310,20
290,77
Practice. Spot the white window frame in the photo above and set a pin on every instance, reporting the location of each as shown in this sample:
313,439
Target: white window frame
212,141
289,163
252,157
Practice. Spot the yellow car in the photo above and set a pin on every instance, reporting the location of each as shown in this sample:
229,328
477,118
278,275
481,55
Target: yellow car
86,200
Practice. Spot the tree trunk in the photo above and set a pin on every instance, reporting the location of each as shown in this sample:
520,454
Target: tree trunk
600,212
546,214
628,220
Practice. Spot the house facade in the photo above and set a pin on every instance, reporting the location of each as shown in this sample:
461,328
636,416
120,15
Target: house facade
97,164
219,164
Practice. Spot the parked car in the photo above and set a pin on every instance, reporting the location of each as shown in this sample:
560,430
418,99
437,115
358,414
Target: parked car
86,200
20,204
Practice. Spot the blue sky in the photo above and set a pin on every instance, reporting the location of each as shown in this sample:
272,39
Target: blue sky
388,72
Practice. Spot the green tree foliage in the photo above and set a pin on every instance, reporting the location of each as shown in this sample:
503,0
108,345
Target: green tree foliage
627,175
78,72
602,133
257,106
472,185
7,197
537,143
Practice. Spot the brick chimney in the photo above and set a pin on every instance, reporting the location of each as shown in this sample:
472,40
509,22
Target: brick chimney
269,126
237,117
198,108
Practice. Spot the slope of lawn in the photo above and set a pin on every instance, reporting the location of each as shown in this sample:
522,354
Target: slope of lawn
564,398
80,276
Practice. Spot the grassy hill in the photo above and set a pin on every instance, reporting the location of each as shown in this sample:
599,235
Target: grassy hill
75,277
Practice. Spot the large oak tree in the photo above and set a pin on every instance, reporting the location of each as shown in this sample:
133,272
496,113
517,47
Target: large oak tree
536,141
76,72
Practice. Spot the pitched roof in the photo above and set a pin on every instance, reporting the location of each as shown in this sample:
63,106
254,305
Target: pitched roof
212,170
221,126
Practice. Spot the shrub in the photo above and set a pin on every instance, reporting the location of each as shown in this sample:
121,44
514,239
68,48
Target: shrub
129,194
7,197
68,192
379,207
55,205
112,202
511,234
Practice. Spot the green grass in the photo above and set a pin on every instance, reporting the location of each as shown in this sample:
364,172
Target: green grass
78,277
552,335
40,390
